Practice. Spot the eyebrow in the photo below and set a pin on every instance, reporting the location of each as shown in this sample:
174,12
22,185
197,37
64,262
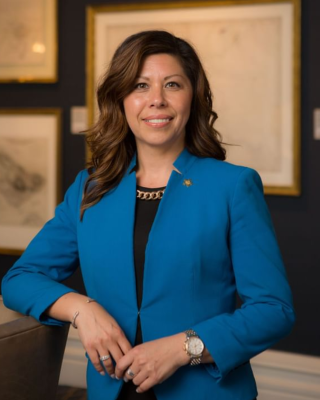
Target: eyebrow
165,78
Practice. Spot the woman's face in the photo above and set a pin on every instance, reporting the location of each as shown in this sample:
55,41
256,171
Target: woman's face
158,108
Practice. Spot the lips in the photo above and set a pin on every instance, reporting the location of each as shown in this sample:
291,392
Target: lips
158,119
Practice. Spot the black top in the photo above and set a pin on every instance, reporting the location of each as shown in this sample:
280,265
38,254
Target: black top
145,214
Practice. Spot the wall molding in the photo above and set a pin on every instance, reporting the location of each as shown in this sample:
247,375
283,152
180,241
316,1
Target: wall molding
288,376
279,375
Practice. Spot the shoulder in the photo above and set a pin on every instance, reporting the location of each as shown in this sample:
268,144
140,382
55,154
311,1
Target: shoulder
74,193
224,173
79,182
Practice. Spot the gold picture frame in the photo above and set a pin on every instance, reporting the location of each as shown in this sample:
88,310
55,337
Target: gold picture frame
30,184
251,52
28,41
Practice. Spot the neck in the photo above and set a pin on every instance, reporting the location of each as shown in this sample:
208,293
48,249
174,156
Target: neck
155,167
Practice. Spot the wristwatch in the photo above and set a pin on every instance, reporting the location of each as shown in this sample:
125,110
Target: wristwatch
194,347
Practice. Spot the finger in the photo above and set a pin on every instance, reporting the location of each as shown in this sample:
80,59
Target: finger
95,360
106,362
115,354
124,344
140,377
130,374
123,364
145,385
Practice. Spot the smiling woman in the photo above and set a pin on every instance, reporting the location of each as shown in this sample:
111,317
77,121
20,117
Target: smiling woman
158,109
166,234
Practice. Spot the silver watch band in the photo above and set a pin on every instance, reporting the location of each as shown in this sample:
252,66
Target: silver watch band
191,332
194,360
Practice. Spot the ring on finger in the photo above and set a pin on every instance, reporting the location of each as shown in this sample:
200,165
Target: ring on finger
130,373
104,358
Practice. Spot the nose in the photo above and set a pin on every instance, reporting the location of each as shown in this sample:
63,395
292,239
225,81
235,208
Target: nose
157,97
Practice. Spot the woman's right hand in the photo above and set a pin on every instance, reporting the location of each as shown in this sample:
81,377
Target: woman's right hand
99,332
101,336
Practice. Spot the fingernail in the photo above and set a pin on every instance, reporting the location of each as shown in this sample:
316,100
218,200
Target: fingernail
102,373
125,379
138,390
117,378
113,376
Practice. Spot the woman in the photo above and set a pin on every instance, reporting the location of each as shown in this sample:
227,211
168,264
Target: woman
163,273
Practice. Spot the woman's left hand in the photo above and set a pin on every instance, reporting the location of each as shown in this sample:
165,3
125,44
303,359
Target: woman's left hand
151,363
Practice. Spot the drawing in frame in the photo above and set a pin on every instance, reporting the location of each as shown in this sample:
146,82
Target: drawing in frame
28,41
251,53
29,174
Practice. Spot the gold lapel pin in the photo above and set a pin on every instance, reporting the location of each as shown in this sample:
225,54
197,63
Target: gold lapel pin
187,182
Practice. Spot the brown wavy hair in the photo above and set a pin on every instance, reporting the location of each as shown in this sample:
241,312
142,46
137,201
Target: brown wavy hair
111,141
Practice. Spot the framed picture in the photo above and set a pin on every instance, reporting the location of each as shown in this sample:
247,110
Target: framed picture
28,41
29,174
251,53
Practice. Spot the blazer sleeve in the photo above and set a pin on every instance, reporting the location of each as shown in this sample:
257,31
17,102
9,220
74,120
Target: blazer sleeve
34,281
266,314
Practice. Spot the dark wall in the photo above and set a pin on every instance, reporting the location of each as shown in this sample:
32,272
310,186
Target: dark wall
296,219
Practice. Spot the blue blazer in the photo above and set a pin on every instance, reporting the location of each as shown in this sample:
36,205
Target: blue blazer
208,241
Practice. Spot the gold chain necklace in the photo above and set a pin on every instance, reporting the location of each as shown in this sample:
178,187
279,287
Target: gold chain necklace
157,195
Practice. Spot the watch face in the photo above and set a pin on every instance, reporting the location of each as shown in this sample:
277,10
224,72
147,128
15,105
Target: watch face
195,346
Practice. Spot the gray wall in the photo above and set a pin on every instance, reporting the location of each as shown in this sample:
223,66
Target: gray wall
296,219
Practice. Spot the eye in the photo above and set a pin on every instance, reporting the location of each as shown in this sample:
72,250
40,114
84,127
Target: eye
173,85
140,85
